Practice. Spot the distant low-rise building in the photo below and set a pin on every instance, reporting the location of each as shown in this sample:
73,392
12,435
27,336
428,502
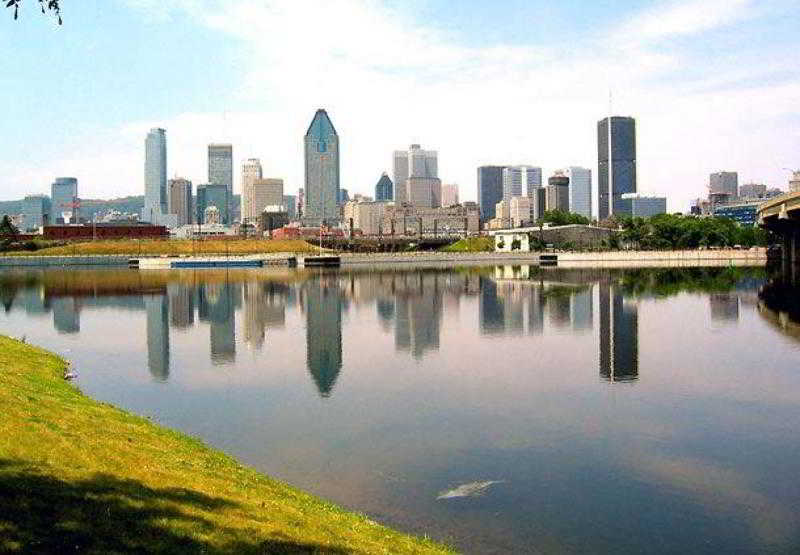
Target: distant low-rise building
752,190
272,218
366,216
520,210
408,220
449,194
744,212
642,206
794,182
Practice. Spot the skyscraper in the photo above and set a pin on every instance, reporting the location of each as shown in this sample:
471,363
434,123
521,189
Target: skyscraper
726,183
449,194
211,195
321,169
251,171
36,211
266,192
580,191
558,192
616,148
416,177
220,172
519,180
180,199
490,190
384,189
64,200
155,176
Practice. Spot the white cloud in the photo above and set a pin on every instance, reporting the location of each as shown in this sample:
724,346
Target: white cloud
388,80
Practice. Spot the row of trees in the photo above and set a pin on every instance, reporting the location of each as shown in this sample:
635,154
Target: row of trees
675,231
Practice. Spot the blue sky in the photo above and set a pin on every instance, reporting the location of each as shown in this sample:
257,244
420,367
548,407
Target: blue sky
713,84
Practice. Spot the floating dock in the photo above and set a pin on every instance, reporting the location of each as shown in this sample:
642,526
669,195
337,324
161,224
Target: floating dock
326,261
187,262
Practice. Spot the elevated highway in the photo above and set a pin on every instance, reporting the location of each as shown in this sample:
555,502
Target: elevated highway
781,216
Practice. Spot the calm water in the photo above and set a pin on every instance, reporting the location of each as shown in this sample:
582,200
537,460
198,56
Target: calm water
507,409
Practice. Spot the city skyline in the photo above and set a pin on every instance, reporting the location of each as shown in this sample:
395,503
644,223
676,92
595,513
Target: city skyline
665,73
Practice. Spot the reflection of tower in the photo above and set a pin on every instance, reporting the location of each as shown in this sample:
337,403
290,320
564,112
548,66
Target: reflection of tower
66,317
157,311
724,306
492,312
558,308
264,306
619,336
385,309
419,315
181,305
220,311
536,302
323,334
582,312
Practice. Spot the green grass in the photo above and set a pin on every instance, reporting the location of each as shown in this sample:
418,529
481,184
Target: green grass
77,475
471,244
174,247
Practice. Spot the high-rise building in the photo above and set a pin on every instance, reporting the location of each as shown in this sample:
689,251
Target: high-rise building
180,199
726,183
209,195
416,177
752,190
266,192
643,206
449,194
344,196
384,188
251,172
64,200
558,192
539,204
290,202
616,149
580,191
321,169
490,190
155,176
519,180
520,210
220,172
35,212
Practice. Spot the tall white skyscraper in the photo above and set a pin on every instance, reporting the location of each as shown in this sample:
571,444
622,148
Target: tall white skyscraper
517,179
251,172
416,177
580,190
155,176
220,172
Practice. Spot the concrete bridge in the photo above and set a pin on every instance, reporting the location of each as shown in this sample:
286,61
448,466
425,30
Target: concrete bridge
781,215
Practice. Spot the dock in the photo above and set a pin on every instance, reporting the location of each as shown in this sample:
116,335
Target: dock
249,261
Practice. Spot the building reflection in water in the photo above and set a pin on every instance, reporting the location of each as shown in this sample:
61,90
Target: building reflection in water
264,307
217,303
418,314
619,335
724,307
181,305
66,315
157,311
323,307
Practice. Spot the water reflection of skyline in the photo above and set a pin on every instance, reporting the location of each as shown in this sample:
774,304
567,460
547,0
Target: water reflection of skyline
409,306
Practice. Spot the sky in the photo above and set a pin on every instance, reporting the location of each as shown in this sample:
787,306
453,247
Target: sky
713,84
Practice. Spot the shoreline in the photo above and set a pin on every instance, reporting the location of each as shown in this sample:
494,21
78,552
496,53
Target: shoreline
612,258
77,473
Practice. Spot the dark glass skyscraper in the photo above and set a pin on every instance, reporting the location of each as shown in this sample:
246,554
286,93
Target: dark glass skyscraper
622,164
384,189
322,169
490,190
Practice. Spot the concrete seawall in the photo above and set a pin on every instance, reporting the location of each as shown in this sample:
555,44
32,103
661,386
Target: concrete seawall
615,258
88,260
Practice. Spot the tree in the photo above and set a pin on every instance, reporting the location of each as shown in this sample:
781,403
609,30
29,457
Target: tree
46,5
561,217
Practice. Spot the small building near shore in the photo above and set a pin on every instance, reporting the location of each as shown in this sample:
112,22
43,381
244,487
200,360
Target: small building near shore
576,235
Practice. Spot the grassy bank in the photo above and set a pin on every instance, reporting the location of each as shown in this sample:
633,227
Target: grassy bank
77,475
174,246
471,244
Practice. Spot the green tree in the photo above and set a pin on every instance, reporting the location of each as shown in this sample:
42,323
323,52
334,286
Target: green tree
46,6
561,217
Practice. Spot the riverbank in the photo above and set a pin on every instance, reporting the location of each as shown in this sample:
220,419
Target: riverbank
600,259
80,475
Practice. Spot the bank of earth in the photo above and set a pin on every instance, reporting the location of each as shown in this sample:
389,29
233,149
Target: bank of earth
77,475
